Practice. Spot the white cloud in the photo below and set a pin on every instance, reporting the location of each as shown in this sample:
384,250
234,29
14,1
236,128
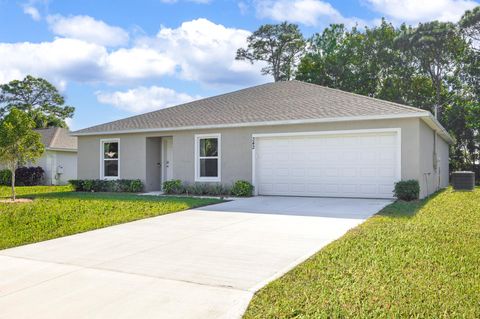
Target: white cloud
307,12
198,50
206,51
32,12
57,60
414,11
65,60
143,99
88,29
138,63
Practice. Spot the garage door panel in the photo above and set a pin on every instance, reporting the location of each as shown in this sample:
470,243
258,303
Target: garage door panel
349,172
354,165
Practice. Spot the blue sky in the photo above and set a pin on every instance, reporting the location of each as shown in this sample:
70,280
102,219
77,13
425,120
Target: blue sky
113,61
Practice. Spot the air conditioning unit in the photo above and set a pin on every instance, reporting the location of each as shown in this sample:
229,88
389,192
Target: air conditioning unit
463,180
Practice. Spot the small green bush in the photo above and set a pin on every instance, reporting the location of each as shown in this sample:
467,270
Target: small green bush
5,177
242,189
112,186
177,187
407,190
174,186
205,189
135,186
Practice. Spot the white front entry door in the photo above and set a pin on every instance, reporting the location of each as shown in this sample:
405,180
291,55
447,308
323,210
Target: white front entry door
167,159
333,165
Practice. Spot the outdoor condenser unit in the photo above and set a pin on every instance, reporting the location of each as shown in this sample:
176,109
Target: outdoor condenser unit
463,180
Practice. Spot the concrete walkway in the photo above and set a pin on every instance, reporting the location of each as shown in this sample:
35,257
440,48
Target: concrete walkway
201,263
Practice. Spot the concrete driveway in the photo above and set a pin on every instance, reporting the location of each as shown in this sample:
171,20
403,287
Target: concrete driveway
200,263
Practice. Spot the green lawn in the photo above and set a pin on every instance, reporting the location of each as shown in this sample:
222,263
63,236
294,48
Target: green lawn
413,260
57,212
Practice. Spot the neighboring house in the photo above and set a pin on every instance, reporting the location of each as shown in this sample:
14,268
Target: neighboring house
287,138
60,158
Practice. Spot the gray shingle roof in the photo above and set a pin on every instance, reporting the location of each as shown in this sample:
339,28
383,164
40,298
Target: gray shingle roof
272,102
57,138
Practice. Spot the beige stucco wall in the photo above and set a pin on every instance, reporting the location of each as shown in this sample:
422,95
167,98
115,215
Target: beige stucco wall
236,149
236,160
432,179
132,156
237,143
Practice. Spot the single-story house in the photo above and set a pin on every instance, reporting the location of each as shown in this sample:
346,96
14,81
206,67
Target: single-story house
60,158
286,138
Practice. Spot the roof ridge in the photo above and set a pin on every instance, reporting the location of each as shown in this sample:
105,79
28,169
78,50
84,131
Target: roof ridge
364,96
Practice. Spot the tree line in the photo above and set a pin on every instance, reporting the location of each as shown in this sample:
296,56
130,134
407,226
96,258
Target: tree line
433,66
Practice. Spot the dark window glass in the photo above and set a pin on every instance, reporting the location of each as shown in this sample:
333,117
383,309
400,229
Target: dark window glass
208,167
208,147
111,168
110,150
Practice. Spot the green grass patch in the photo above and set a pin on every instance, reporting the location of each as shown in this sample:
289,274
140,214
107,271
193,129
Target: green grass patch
413,260
30,191
57,211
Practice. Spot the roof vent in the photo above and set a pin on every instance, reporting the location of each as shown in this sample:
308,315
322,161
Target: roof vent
463,180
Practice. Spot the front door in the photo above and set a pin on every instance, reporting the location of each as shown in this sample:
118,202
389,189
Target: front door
167,159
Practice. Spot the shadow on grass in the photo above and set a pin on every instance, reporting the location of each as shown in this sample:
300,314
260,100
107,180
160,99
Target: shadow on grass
403,209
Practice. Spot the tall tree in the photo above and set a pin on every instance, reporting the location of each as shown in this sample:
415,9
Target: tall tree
19,143
279,45
365,63
399,64
470,24
38,98
436,47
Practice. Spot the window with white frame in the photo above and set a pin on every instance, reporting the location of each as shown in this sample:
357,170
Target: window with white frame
110,159
207,158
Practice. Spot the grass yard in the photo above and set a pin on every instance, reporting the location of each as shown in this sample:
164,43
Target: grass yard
413,260
58,211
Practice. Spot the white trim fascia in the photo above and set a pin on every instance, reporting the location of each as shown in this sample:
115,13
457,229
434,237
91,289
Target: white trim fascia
254,166
61,149
334,132
397,131
197,138
267,123
399,154
102,173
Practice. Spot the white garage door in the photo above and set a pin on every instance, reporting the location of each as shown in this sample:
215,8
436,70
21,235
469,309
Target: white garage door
334,165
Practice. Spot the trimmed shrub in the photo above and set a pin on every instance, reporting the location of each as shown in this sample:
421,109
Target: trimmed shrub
205,189
177,187
29,176
132,186
242,189
5,177
174,186
407,190
112,186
